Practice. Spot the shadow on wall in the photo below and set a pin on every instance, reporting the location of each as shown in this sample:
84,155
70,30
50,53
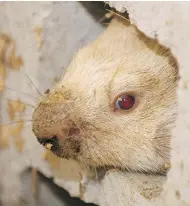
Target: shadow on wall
47,193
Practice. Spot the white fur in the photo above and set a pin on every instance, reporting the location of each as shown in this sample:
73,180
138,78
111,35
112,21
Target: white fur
121,60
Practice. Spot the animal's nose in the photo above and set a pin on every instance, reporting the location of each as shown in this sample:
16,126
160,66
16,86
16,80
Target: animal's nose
51,143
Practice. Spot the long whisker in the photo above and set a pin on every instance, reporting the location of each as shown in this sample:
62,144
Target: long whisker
21,92
33,84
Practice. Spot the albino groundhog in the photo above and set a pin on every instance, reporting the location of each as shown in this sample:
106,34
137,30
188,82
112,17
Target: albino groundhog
115,105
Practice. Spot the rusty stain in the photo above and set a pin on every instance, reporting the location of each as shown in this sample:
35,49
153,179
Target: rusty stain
4,44
4,136
38,31
13,61
2,76
7,58
14,106
14,131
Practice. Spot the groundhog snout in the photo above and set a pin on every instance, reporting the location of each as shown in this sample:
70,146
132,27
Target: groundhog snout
53,126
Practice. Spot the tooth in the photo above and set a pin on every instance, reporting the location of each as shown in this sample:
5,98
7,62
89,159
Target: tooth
167,165
48,146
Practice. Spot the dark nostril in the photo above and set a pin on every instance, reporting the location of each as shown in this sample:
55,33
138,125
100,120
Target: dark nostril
47,140
53,141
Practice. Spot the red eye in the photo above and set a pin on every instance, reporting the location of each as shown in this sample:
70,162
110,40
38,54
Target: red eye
125,102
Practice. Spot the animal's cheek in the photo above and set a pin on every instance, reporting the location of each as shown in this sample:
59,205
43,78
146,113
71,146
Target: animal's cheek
94,151
68,148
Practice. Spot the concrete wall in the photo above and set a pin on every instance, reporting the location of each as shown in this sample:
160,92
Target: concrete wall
46,36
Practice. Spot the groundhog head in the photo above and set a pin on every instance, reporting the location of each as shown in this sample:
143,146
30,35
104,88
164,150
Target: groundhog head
115,105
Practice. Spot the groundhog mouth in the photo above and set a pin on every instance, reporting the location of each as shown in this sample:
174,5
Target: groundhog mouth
49,143
68,150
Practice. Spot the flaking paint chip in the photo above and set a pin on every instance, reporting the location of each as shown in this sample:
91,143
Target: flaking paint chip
13,107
